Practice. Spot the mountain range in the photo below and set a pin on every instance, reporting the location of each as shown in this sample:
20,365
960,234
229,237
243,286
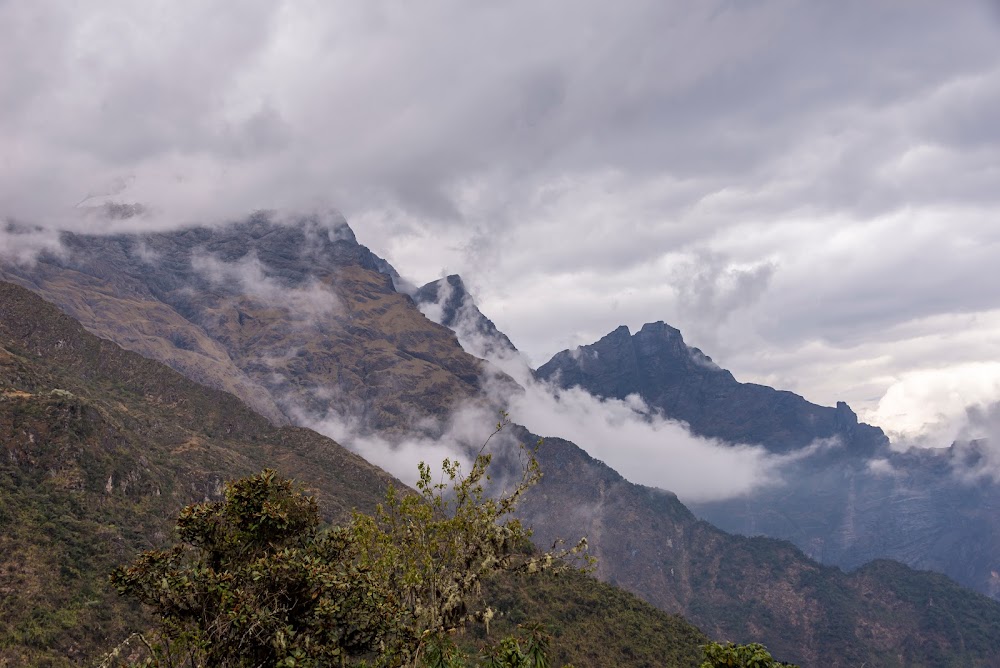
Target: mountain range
306,327
859,501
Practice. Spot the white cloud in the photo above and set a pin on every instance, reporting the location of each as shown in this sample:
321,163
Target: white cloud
639,444
22,244
306,303
930,408
458,438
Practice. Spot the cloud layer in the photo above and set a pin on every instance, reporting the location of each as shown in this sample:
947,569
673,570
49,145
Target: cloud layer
807,190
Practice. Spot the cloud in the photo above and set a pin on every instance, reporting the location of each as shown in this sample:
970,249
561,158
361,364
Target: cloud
249,277
648,449
935,407
635,441
21,244
458,438
976,454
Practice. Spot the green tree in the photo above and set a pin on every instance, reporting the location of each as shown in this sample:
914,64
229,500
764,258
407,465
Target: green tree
254,581
728,655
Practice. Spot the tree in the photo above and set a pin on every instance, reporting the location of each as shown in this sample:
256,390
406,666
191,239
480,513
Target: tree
728,655
254,581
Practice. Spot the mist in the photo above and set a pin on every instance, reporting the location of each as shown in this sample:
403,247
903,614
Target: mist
457,438
248,274
643,446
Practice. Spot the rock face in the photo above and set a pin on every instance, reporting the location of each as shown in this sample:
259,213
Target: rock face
686,385
447,302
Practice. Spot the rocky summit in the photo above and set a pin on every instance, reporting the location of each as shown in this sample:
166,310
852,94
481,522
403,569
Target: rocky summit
686,385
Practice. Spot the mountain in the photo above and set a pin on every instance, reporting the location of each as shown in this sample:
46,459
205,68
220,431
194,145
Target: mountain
860,502
293,319
100,448
447,302
686,385
302,319
740,588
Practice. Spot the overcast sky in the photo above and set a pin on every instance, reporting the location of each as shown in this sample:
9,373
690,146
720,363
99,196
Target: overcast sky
808,190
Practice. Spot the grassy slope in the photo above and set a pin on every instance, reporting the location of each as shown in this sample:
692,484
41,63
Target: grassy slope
100,447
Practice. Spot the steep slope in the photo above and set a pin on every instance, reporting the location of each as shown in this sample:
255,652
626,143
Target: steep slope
99,448
686,385
859,503
292,318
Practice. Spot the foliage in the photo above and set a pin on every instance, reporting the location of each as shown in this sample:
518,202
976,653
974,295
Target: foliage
254,581
728,655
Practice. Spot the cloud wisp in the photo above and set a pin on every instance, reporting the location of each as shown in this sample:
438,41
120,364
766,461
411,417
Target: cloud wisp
307,303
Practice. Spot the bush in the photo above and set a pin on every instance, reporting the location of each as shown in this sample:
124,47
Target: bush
254,581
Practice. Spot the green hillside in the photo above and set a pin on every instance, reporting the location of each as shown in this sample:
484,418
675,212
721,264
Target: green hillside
102,447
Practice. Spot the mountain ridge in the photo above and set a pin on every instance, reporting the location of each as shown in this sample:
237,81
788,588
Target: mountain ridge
686,385
846,506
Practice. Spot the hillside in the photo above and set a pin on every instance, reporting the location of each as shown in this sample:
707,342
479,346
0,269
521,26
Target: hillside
101,448
742,589
373,352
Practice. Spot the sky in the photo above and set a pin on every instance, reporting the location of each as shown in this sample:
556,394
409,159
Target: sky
808,190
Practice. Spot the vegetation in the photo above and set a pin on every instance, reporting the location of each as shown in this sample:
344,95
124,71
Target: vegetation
254,581
96,473
728,655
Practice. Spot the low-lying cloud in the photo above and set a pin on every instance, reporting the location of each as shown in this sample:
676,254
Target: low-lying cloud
976,452
640,444
248,275
459,438
21,245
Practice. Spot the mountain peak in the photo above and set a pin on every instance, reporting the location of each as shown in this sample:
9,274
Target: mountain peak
662,328
685,384
447,302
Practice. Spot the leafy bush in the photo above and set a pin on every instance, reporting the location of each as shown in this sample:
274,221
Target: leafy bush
753,655
254,581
